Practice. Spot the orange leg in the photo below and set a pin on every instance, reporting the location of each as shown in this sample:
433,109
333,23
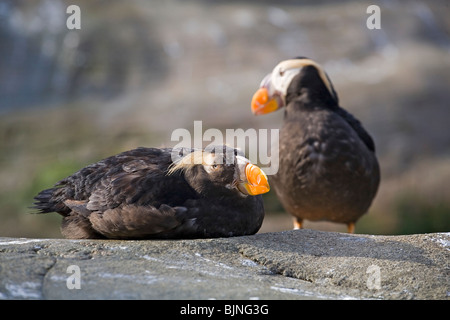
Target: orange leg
298,223
351,227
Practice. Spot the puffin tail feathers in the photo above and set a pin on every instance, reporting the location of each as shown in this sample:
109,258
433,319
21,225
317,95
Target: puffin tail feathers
50,200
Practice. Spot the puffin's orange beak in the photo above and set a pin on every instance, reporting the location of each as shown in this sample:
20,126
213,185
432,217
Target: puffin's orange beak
262,103
257,182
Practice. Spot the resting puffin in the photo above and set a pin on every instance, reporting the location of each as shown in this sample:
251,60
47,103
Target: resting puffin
144,194
328,169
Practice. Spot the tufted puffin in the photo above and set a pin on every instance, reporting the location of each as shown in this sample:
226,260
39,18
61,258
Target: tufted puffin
328,169
143,194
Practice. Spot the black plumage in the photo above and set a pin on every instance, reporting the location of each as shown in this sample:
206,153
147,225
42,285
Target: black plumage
328,169
143,194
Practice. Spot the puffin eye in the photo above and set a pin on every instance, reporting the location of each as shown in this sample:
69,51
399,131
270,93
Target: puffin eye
214,166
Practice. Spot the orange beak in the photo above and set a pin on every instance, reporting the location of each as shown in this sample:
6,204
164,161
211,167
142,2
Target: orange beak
257,182
262,103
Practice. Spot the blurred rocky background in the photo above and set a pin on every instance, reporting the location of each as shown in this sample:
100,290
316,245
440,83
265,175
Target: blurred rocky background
137,70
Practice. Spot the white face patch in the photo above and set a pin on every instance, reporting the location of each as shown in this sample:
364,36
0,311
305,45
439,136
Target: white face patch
285,71
239,173
241,163
281,79
209,160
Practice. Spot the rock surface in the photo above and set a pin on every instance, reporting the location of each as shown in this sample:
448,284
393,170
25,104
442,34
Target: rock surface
299,264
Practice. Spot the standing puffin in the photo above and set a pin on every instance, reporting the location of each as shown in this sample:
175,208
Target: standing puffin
144,194
328,169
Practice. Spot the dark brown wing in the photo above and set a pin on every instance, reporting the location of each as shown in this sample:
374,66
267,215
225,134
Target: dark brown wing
359,129
198,218
135,222
137,176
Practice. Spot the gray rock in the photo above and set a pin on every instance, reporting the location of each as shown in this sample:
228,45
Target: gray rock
300,264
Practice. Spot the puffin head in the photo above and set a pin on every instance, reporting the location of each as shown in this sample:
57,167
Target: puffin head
290,79
220,171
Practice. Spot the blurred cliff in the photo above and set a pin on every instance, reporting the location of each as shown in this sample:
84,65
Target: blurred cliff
137,70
